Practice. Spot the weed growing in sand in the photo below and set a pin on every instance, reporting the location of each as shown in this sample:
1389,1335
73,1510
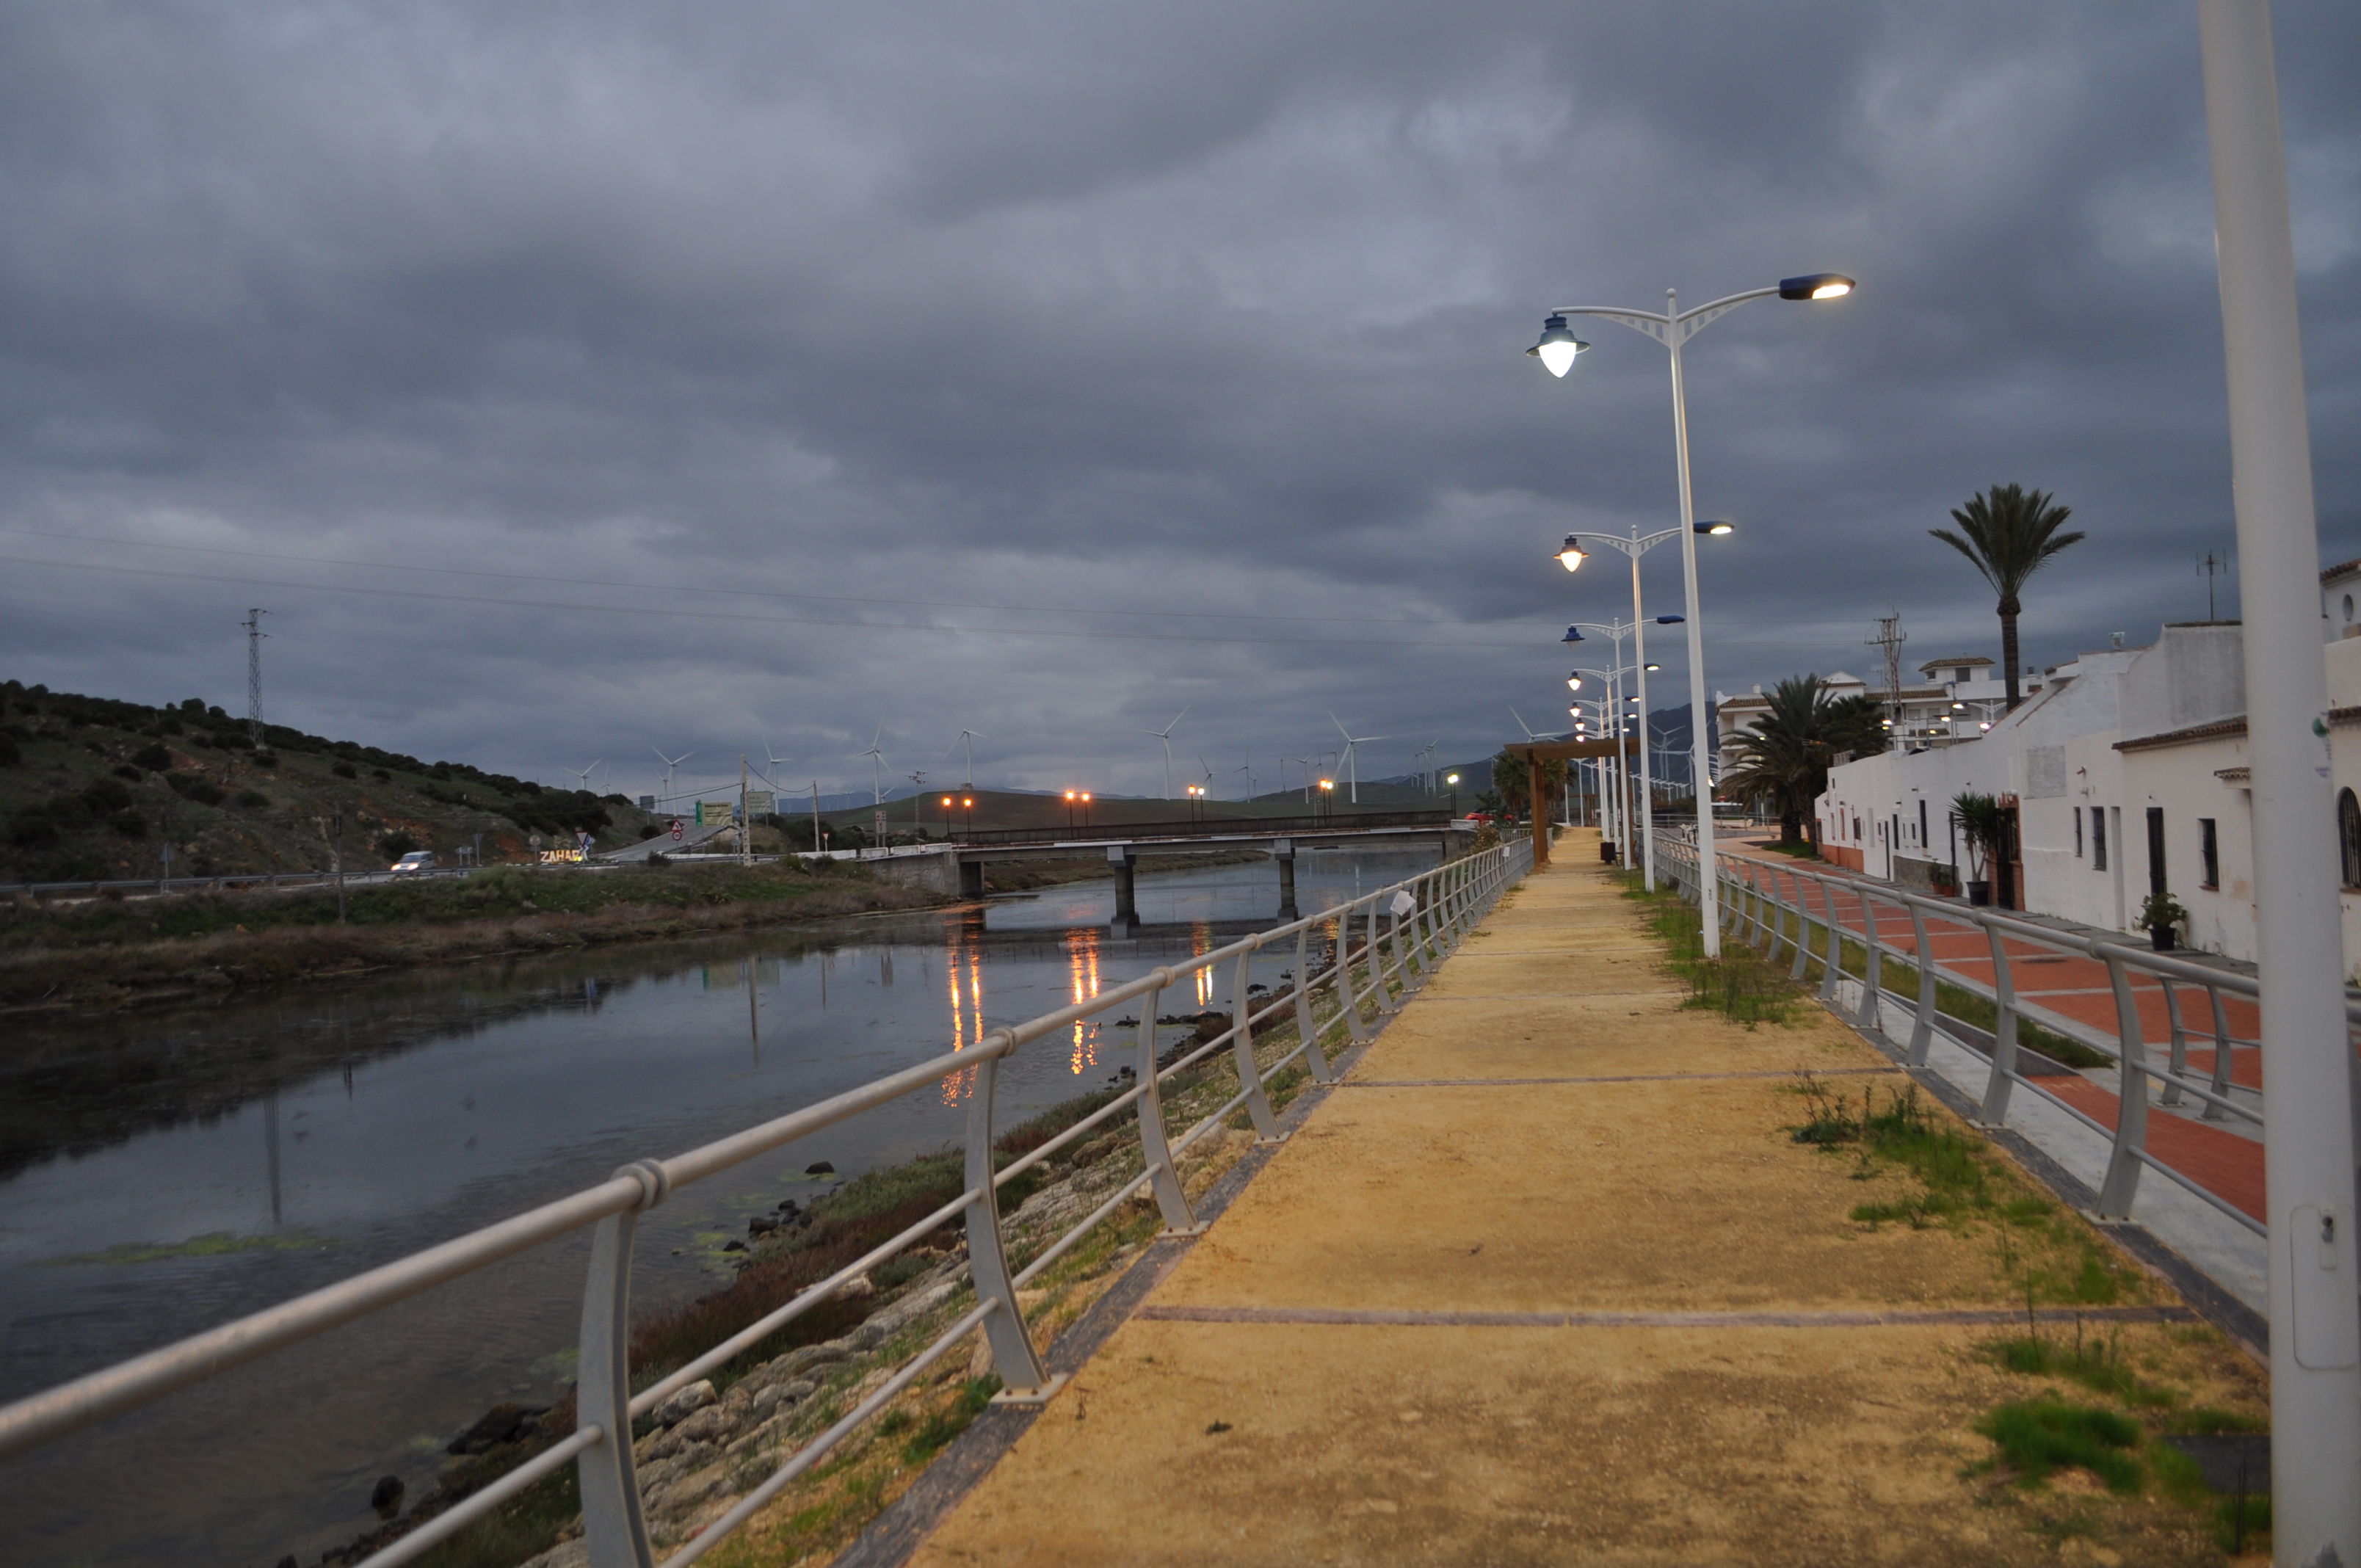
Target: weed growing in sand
1740,984
2037,1438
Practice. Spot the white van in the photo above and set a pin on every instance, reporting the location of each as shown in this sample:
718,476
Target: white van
416,860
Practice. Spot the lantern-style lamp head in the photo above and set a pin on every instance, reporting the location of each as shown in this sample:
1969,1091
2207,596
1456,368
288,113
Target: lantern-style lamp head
1558,345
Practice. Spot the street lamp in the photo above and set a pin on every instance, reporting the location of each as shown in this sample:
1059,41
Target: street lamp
1673,328
1614,787
1636,545
1453,780
1617,629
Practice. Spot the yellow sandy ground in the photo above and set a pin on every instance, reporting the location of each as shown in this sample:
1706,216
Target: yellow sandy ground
1422,1188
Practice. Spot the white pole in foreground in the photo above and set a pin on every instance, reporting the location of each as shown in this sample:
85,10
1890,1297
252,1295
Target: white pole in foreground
2308,1065
1708,894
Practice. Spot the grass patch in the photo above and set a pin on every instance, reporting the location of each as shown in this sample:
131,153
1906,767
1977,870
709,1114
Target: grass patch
2037,1438
937,1430
2097,1364
1954,1170
212,1243
1740,984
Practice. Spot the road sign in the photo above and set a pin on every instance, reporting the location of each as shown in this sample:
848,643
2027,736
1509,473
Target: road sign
759,803
716,811
677,829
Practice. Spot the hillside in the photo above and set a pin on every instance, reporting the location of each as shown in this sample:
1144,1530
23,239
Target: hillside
92,787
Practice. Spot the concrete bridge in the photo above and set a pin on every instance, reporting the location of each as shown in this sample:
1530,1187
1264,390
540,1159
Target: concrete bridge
957,865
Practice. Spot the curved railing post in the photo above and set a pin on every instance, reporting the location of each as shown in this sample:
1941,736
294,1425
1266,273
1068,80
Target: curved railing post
2179,1062
2003,1057
1832,971
2213,1112
1380,992
1155,1147
1802,927
614,1528
1922,1023
1306,1028
1266,1122
2121,1183
1348,1003
1865,1016
1021,1377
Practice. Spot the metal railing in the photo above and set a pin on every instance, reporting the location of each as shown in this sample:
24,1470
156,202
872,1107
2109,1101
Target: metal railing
1394,938
1768,904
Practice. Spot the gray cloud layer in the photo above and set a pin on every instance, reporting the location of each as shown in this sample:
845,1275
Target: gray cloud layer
1194,334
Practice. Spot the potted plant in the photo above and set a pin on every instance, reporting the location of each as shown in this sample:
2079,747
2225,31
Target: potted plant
2162,915
1945,883
1978,817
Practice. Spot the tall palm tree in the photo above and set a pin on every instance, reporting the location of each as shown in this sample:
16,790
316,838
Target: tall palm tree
1786,754
2011,531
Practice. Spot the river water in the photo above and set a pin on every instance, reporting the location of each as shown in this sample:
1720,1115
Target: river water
166,1171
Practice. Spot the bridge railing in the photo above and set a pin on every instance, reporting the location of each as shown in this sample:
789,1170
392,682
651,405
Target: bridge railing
1249,827
1386,943
1767,905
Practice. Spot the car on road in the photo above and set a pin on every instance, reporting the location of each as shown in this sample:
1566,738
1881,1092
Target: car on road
416,860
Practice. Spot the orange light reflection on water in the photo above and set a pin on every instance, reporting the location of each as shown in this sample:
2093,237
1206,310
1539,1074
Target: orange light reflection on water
967,1016
1082,961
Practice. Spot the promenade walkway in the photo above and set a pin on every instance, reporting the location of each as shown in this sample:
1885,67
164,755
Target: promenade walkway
1547,1280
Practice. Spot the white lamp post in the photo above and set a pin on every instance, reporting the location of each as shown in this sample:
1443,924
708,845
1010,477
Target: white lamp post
1673,328
2308,1071
1610,715
1571,557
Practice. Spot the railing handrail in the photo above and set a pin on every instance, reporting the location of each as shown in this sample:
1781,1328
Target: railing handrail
1445,902
1755,883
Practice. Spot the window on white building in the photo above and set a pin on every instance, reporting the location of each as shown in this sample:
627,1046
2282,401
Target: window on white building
2209,849
2098,838
2349,837
2078,832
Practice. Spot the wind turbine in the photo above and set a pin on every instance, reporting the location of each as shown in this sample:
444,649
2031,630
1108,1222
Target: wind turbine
1165,735
584,774
968,737
1353,755
876,767
1249,771
672,765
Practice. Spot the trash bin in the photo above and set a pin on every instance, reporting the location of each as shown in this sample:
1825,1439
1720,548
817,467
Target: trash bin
1607,850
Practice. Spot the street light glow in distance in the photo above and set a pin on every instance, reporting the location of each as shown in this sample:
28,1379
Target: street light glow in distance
1573,555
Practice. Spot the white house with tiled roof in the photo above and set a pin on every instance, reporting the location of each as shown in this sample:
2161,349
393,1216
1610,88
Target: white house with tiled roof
2127,774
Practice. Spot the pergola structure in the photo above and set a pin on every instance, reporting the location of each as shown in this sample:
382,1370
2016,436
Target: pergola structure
1536,752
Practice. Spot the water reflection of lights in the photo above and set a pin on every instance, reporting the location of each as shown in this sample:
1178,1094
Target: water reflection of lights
1082,961
967,1015
1200,942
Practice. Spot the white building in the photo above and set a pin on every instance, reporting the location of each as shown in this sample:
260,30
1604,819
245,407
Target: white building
1957,698
2127,774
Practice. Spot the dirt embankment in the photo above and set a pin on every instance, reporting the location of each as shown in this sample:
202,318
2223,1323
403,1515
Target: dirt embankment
122,955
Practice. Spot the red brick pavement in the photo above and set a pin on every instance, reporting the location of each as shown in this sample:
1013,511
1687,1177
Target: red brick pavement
2079,988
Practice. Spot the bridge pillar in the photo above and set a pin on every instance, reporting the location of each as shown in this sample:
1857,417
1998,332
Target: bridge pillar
1283,851
971,878
1126,864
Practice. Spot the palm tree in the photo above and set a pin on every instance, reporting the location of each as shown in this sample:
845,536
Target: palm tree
1788,753
2011,531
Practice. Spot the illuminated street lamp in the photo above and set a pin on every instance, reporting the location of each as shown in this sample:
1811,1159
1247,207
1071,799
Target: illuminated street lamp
1673,327
1453,780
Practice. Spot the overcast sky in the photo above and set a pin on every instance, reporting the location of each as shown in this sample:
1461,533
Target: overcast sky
572,380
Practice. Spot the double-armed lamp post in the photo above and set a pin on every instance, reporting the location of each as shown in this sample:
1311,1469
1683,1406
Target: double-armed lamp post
1572,556
1673,328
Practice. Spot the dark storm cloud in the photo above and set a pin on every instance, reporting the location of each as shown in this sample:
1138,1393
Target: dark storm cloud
1191,334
